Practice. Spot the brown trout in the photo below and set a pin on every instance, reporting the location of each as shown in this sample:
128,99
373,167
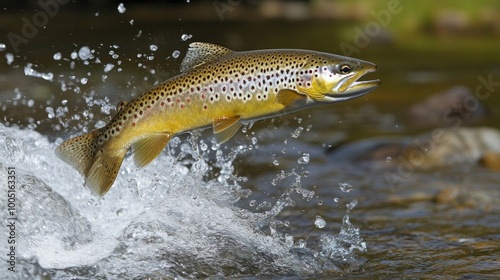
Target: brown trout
217,87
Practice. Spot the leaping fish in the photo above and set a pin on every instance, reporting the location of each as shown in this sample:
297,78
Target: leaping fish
217,87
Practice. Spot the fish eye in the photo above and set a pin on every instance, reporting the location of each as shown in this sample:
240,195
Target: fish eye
345,69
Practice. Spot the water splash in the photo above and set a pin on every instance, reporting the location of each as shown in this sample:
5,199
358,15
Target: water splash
166,218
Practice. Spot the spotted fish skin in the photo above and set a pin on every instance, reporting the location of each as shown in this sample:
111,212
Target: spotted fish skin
220,88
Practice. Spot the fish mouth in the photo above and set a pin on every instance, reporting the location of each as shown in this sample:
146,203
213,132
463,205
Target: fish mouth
352,87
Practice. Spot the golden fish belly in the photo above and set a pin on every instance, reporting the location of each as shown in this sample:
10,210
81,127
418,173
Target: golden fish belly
190,111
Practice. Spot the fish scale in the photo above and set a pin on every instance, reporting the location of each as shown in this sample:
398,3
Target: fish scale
220,88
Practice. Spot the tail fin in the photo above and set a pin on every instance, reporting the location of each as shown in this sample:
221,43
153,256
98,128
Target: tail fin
98,165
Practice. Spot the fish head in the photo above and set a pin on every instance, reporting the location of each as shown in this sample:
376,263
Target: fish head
331,78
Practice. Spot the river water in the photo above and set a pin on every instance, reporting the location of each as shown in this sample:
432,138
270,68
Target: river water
307,195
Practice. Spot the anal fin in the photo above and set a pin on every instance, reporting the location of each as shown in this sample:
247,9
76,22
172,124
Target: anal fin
149,147
225,128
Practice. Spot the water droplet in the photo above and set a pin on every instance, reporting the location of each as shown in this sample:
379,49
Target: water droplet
301,243
30,103
100,124
297,132
254,141
108,67
84,53
320,202
74,55
131,22
176,54
345,187
388,159
57,56
276,162
252,203
3,47
186,37
351,205
153,47
319,222
203,146
121,8
83,81
304,159
50,112
336,199
48,76
10,58
288,240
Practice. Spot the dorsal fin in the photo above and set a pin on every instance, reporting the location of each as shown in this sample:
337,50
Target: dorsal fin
201,53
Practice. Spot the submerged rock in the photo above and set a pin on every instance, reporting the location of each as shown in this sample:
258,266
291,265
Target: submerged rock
445,147
462,196
491,160
449,108
435,149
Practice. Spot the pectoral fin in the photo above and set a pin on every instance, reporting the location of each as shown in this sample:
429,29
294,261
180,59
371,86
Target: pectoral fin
287,97
225,128
149,147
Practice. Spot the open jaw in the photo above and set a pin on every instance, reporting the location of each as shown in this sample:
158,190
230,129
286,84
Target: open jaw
359,88
352,88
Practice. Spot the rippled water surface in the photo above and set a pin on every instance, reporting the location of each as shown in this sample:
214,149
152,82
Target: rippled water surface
307,195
